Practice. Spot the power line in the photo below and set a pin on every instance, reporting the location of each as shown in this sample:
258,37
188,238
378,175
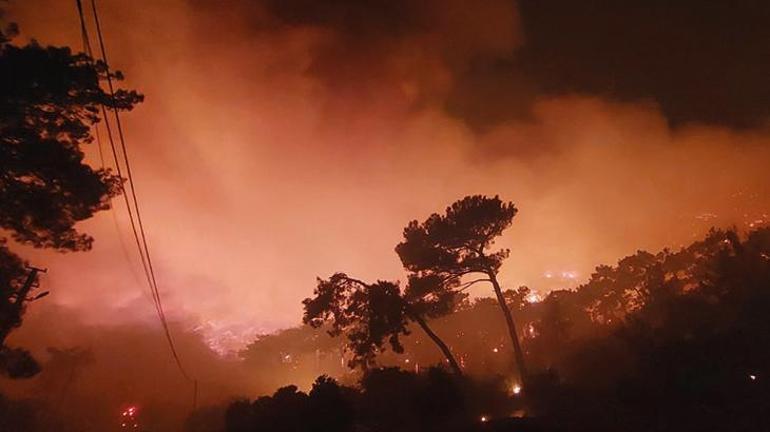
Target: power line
139,234
123,247
126,160
89,51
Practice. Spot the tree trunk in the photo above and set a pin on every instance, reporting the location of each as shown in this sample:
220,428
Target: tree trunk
437,340
518,353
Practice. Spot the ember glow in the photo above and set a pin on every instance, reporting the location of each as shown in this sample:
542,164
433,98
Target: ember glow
534,298
227,338
129,418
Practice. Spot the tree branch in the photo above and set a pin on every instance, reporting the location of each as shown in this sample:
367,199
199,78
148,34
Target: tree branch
357,281
467,285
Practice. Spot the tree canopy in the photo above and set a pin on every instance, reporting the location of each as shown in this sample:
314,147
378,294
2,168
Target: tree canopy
370,315
50,98
454,244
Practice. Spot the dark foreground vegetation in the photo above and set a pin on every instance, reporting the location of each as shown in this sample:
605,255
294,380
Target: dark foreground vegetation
386,399
678,340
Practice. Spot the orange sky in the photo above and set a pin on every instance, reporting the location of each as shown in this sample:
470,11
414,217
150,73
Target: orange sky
255,176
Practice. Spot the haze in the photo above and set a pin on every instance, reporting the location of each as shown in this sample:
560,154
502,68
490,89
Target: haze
275,146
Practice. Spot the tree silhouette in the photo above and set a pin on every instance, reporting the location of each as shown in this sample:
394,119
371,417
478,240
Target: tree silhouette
49,99
385,399
373,315
676,340
326,408
445,248
669,340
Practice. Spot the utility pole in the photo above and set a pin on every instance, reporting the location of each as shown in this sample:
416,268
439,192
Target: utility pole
30,283
21,298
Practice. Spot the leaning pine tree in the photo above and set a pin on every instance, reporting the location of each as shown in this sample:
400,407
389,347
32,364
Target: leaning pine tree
446,248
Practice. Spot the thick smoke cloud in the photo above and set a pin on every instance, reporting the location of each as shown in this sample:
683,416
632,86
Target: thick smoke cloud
487,63
704,62
281,141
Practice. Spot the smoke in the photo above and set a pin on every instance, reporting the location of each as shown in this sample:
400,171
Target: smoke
91,374
281,141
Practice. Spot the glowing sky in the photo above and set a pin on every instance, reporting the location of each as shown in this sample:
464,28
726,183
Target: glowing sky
284,141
